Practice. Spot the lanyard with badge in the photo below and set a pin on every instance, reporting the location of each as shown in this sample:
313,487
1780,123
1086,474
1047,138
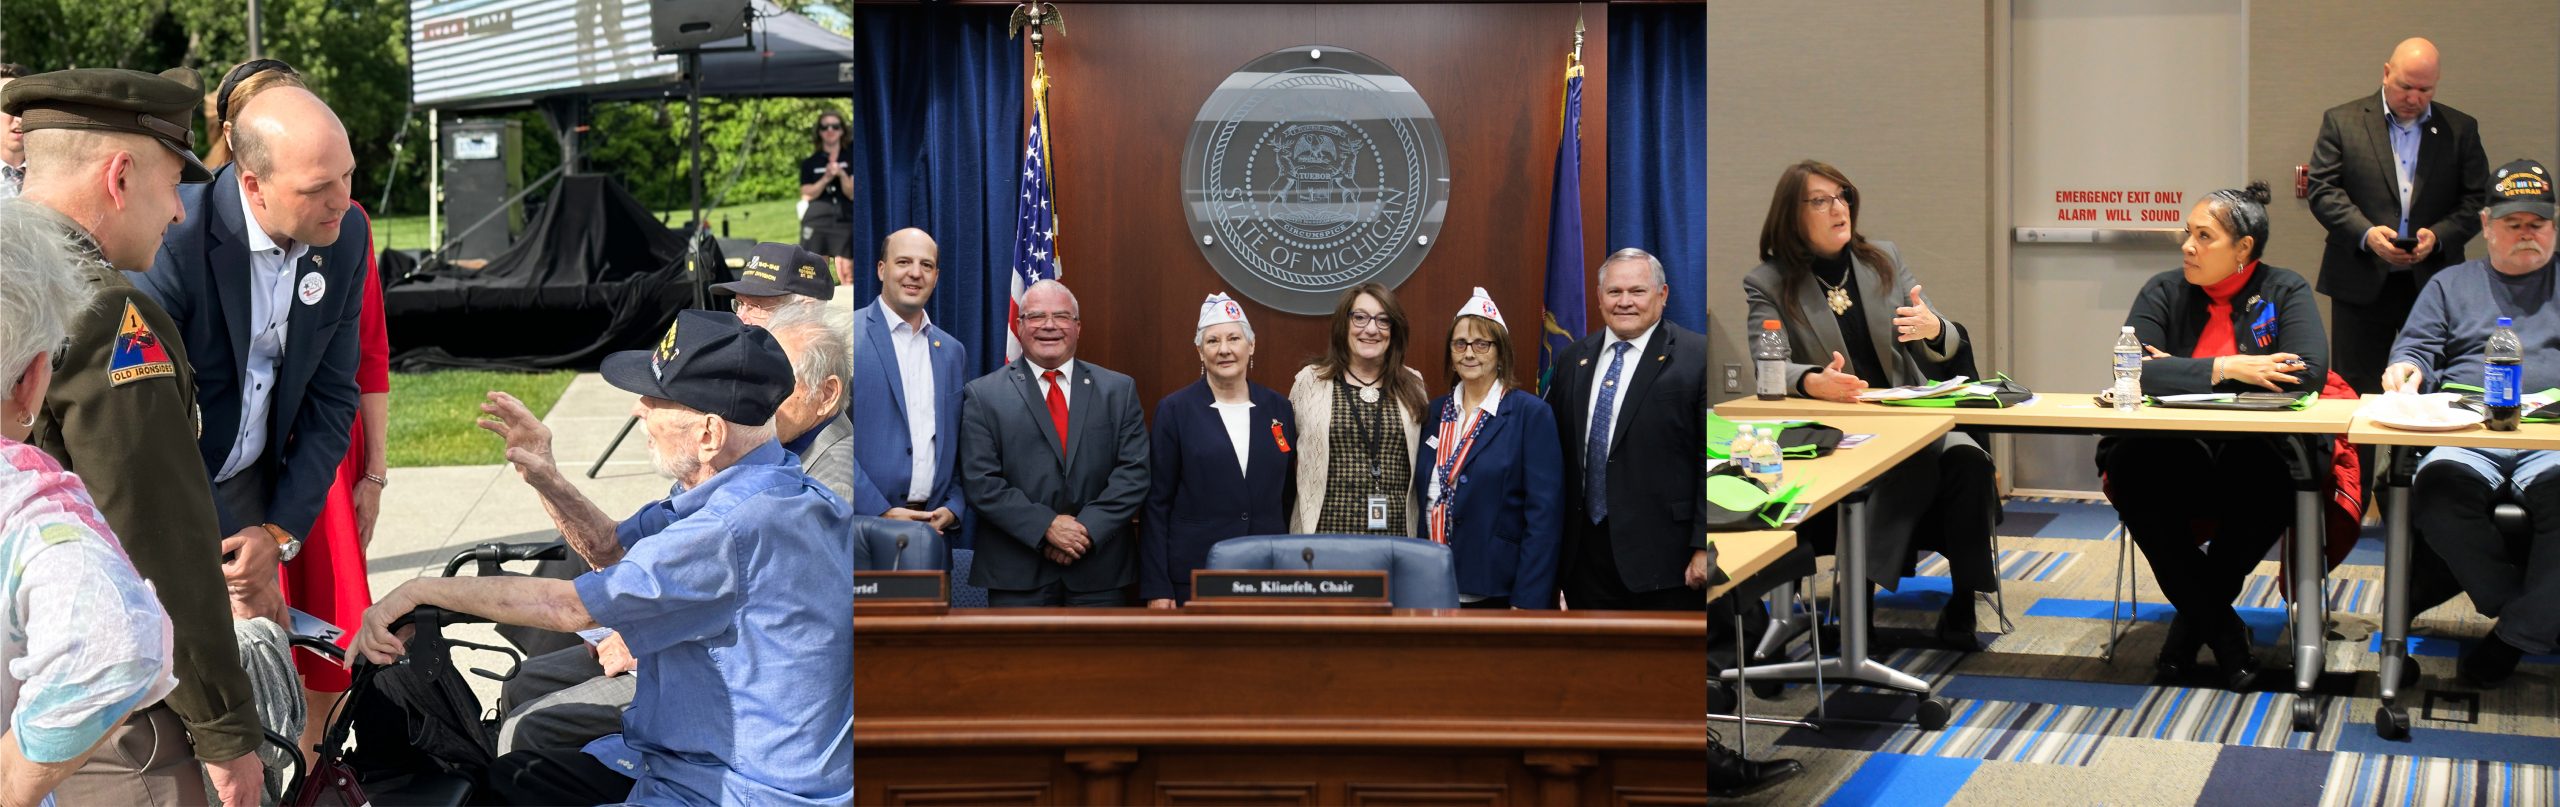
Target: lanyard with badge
1373,430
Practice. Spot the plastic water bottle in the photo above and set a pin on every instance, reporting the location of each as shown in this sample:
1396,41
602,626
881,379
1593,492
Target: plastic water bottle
2504,379
1767,462
1769,351
2128,366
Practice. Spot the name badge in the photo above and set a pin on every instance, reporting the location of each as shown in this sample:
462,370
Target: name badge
922,592
1377,512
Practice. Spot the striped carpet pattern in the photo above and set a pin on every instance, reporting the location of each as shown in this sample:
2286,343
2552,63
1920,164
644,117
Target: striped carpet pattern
2041,717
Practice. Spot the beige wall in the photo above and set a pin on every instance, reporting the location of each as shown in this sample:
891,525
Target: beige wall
1892,92
2499,66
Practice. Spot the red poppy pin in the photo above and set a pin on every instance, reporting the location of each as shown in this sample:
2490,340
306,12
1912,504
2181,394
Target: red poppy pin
1276,437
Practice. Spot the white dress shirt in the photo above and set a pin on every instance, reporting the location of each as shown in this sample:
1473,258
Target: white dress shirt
914,349
270,305
1601,383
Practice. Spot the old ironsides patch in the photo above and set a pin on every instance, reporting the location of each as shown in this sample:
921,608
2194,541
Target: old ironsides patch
1311,170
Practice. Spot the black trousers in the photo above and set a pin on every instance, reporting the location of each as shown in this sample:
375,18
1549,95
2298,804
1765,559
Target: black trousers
552,777
2360,335
1591,583
2514,580
1056,594
2166,488
1957,524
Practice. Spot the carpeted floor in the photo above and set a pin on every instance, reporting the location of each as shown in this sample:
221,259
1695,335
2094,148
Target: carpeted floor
2041,718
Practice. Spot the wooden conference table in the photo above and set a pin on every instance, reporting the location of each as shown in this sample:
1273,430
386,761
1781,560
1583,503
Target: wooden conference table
1136,706
2391,719
2080,414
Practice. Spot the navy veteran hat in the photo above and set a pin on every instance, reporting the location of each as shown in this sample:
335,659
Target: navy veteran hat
107,99
711,362
2520,187
774,269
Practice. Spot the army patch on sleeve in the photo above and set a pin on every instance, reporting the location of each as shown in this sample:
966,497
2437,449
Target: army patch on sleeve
138,353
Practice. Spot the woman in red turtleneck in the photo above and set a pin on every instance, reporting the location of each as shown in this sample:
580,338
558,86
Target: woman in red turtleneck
2224,322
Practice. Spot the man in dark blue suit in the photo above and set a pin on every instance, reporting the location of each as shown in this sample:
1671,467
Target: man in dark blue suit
906,439
264,279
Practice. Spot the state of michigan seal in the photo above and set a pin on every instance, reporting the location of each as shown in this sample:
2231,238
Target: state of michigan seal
1311,170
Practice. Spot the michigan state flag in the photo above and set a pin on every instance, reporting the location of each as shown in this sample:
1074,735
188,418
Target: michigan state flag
1561,322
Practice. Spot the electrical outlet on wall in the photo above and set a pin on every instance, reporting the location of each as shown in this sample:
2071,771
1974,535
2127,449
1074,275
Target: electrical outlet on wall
1733,378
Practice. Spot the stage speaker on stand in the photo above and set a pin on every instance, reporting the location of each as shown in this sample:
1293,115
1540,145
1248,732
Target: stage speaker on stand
484,168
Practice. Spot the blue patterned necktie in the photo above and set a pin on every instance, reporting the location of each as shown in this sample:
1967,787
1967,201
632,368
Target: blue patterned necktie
1595,451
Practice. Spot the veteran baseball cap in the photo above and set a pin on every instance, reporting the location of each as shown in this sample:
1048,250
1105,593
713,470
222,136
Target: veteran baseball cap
2520,187
774,269
711,362
107,99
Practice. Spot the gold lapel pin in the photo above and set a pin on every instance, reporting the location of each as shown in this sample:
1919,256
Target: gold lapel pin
1583,363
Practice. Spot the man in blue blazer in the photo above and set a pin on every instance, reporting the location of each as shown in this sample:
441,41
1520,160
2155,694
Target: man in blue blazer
265,278
906,394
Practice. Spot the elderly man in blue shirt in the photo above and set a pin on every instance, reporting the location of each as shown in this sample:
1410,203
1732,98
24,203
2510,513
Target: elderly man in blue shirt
730,593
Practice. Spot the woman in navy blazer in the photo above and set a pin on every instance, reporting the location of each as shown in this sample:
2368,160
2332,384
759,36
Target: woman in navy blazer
1489,482
1222,464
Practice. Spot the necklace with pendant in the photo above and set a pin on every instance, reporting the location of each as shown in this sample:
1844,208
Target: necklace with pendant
1836,296
1368,388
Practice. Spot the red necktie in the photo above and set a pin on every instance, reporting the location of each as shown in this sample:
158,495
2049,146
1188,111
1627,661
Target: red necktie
1057,407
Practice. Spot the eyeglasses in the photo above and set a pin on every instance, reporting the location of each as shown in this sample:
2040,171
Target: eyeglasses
1470,345
1038,318
1824,203
830,127
1362,320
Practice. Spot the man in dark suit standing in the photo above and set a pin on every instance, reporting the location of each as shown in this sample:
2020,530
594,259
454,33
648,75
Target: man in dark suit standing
264,280
1053,455
2396,179
1630,403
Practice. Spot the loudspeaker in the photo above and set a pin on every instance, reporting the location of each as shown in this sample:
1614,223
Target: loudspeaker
484,166
676,25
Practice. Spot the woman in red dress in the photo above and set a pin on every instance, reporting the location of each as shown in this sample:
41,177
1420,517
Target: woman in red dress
328,579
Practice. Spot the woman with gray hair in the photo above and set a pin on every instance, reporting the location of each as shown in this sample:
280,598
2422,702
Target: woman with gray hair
2221,322
86,642
1221,447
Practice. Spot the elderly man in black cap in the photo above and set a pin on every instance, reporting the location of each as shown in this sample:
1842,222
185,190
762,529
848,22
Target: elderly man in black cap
778,275
730,594
107,150
2445,346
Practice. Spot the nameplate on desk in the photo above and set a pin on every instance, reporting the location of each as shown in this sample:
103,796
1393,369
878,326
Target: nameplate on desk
900,591
1286,587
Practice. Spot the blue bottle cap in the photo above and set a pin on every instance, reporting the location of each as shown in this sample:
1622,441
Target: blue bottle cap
2506,322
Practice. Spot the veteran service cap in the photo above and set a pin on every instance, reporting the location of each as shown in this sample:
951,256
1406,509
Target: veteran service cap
711,362
2520,187
112,100
774,269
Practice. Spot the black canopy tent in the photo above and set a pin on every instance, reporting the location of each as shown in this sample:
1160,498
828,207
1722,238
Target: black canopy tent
595,272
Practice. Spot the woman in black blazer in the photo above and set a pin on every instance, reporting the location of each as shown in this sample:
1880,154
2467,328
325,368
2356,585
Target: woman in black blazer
1223,466
2223,322
1489,482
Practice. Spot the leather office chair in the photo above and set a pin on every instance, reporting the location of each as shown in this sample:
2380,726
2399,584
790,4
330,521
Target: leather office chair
877,546
1420,574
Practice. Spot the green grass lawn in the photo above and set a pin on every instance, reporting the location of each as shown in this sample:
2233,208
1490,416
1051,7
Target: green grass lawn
432,414
757,221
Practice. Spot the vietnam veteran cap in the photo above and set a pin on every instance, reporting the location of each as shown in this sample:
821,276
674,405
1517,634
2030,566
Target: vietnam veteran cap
711,362
773,270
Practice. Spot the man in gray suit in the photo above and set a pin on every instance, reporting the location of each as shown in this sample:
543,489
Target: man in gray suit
813,423
1053,457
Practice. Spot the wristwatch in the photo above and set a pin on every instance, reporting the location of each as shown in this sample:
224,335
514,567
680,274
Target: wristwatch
287,546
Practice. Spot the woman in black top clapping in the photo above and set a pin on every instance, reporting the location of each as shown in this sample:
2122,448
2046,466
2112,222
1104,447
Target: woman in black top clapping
826,183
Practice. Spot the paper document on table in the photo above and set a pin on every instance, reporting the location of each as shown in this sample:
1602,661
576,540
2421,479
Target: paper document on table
1915,392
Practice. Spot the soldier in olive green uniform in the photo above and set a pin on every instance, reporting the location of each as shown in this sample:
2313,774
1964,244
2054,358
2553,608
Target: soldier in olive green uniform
107,150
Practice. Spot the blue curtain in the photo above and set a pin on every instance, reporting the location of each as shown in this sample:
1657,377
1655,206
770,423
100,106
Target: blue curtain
937,133
1658,146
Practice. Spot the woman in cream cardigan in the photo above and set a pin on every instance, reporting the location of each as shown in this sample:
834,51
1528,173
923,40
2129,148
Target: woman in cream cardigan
1359,423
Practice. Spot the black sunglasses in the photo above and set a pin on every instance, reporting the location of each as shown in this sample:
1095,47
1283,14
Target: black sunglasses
830,127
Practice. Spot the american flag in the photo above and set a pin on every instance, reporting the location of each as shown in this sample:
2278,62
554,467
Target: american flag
1035,228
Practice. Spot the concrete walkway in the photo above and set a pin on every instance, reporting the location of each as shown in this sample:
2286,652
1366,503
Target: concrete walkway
428,514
